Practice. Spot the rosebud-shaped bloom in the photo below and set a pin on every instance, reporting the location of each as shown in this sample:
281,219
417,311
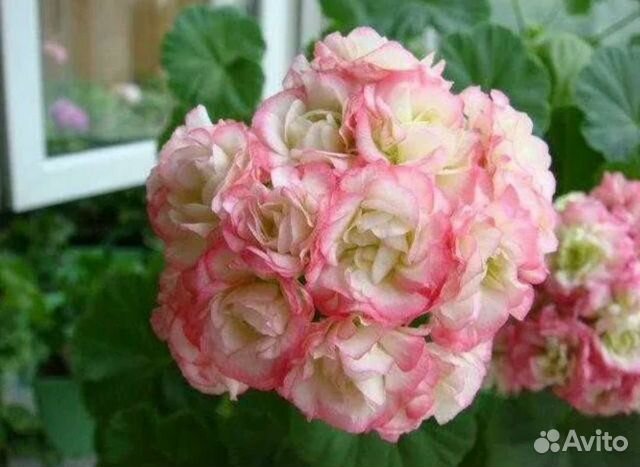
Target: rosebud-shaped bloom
537,353
583,339
304,123
460,378
355,374
618,327
496,251
185,343
516,159
414,118
383,245
250,324
362,54
592,243
595,388
507,136
622,199
197,367
196,164
273,227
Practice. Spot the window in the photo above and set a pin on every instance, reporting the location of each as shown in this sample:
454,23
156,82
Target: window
83,95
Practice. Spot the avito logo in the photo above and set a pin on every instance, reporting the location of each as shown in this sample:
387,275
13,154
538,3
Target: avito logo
550,441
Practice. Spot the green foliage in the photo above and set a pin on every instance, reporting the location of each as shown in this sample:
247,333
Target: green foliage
404,20
24,312
609,95
52,262
113,120
65,421
113,341
320,445
91,261
147,415
21,433
212,57
478,58
565,55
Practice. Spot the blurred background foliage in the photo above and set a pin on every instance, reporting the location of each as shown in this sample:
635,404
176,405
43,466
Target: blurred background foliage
78,281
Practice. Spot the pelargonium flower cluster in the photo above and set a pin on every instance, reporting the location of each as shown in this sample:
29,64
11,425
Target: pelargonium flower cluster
583,338
359,245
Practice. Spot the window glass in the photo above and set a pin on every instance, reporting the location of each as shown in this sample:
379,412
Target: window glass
103,83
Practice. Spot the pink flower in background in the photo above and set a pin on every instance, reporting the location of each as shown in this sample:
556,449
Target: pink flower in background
56,52
583,339
69,116
360,245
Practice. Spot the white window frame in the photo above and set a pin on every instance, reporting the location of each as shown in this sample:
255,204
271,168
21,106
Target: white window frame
34,179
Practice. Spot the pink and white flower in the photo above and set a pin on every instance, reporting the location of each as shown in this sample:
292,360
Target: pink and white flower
304,123
183,190
273,227
251,324
360,245
583,339
362,54
355,374
382,246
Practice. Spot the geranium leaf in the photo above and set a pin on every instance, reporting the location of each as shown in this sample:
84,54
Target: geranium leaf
443,445
495,58
212,57
114,350
405,20
131,438
607,92
565,55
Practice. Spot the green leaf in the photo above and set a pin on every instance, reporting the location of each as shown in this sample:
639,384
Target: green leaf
565,55
68,426
131,439
495,58
213,57
405,20
257,419
431,445
114,350
139,436
188,441
20,420
608,93
575,164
